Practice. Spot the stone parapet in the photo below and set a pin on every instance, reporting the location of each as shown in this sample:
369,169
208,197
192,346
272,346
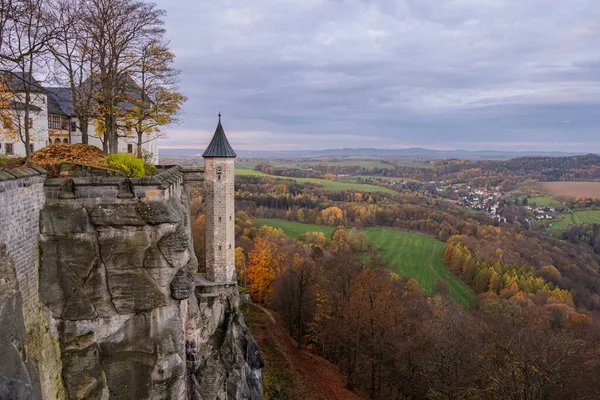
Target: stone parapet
116,189
192,177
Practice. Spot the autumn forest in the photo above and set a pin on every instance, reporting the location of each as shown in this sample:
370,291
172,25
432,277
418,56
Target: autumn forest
530,330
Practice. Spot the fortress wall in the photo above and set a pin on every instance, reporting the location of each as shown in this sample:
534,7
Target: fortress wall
21,199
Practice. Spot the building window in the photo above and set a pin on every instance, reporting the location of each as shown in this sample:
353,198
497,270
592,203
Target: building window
219,248
219,219
54,122
229,247
31,148
56,141
130,148
30,123
64,124
73,126
9,149
66,141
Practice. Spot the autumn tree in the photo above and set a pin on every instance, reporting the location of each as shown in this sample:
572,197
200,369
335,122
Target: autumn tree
153,101
265,261
295,294
331,216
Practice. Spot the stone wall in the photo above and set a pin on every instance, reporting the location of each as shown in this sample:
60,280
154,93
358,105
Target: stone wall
21,199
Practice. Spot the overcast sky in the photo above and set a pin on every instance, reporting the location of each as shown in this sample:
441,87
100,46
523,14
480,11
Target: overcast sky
440,74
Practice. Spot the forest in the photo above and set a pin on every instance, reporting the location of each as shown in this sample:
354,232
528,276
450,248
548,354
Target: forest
339,299
531,331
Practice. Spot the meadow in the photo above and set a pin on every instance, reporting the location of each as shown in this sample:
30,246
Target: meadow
543,201
412,254
327,184
577,217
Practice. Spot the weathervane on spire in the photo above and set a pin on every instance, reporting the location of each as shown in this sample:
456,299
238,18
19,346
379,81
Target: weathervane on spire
219,116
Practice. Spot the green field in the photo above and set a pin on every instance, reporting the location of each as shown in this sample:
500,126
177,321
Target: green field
327,184
542,201
577,217
415,255
293,229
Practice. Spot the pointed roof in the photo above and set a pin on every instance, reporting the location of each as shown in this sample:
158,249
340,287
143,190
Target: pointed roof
219,145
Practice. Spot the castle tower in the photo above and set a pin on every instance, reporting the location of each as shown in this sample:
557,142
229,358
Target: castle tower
219,160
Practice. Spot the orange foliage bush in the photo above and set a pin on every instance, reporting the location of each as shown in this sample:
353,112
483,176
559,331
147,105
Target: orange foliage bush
51,157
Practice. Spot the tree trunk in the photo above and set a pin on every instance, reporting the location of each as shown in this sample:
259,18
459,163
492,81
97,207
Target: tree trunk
26,126
83,127
139,144
106,144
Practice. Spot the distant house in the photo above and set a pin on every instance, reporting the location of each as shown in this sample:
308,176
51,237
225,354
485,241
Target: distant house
51,120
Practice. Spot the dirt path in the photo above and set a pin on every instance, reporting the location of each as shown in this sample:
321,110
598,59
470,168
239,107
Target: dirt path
291,373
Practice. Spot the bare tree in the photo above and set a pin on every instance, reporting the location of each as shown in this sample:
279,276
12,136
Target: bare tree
74,59
117,30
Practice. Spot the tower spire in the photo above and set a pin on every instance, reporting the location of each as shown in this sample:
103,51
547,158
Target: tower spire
219,145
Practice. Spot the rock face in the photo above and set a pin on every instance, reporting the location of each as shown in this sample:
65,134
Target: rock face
133,320
223,358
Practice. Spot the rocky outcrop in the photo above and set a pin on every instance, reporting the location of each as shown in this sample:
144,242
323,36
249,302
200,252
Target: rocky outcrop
133,322
223,358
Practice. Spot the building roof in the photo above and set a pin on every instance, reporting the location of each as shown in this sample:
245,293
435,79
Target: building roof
219,145
18,82
60,101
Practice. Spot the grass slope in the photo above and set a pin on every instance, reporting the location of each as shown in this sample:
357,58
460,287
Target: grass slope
577,217
327,185
415,255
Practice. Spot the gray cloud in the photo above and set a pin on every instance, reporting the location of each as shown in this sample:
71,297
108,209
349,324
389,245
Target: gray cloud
381,73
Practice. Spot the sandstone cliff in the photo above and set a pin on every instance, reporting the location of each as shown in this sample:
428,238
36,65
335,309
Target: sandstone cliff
126,310
120,280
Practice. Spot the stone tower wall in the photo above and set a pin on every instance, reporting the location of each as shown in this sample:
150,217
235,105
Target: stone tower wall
220,219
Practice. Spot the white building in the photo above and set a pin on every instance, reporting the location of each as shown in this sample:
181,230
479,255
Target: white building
51,121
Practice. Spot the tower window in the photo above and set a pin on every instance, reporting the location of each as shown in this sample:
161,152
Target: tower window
219,247
229,247
230,217
219,219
